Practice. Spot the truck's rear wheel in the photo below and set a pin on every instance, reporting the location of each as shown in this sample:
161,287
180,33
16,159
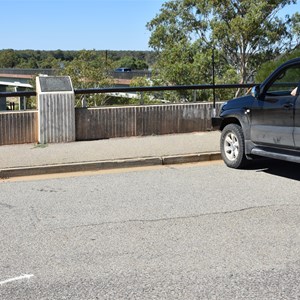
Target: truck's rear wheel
233,146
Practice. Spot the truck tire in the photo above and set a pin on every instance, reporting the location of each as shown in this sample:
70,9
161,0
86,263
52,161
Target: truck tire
232,146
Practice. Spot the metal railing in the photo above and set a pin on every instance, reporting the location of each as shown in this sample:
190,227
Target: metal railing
162,88
138,89
111,121
19,71
104,90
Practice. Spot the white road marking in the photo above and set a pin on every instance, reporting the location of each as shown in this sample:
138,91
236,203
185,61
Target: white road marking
25,276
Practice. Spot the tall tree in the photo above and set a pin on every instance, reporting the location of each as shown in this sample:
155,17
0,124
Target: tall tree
269,66
296,28
243,33
8,58
89,70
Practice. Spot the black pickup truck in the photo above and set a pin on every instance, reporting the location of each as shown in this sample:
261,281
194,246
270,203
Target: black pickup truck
264,123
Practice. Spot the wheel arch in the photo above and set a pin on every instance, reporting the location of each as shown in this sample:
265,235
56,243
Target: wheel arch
230,120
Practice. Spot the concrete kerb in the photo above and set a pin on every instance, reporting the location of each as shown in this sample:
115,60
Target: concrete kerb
190,158
108,164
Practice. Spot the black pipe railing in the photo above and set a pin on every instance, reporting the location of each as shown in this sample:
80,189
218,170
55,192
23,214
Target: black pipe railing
17,71
137,89
17,94
161,88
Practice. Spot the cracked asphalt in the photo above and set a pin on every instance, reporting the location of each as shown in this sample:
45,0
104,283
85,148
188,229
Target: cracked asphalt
199,231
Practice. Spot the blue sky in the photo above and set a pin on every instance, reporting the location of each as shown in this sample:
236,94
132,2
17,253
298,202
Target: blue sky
79,24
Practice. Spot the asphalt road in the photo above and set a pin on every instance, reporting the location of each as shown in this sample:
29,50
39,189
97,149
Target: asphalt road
199,231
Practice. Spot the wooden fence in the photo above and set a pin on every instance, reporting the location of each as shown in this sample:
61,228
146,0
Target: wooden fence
101,123
111,122
18,127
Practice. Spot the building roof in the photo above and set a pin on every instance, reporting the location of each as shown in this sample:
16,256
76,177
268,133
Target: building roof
16,84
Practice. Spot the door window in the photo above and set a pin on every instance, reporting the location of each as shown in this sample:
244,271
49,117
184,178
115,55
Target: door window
285,83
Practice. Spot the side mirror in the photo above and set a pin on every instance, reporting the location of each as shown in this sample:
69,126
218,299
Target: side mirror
255,91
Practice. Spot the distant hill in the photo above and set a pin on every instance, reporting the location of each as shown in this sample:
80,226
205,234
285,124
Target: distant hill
36,59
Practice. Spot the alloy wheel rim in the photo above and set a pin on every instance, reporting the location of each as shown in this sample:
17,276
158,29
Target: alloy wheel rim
231,146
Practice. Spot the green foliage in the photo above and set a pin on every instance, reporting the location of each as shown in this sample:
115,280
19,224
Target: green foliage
57,59
135,98
295,27
89,70
243,33
31,103
8,58
229,76
268,67
144,97
132,63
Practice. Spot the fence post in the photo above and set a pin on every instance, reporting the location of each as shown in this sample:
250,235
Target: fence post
56,109
2,99
142,99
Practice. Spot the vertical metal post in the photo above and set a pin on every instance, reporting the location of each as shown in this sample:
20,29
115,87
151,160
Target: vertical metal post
214,82
2,99
83,101
213,68
106,61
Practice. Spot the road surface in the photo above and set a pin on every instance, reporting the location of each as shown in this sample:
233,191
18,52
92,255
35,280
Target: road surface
200,231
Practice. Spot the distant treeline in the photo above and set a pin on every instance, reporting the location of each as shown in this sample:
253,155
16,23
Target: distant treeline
44,59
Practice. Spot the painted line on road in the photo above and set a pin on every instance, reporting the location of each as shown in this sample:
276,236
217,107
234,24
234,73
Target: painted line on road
25,276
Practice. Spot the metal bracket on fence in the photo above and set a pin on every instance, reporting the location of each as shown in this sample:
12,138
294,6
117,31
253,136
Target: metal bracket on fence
83,102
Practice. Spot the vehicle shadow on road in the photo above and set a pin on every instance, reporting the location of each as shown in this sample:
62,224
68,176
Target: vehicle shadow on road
277,168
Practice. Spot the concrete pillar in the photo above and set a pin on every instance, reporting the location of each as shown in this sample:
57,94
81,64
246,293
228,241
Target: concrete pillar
56,109
2,99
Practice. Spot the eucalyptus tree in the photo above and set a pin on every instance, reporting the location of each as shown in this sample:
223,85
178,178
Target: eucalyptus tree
242,34
296,27
90,70
269,66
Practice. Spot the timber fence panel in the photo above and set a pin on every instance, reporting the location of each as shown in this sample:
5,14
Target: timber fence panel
18,127
111,122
